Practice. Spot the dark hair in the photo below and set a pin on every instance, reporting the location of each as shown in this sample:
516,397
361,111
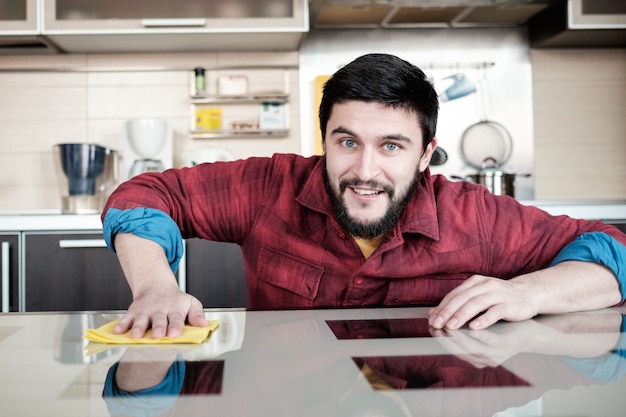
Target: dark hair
385,79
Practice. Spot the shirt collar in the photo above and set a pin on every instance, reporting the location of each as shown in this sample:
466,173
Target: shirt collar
419,217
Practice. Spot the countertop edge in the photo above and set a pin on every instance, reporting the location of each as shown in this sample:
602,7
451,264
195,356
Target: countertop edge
50,222
15,222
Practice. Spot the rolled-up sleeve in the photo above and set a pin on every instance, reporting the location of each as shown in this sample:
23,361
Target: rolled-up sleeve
600,248
147,223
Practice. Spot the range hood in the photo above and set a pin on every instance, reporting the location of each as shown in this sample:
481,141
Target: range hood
423,13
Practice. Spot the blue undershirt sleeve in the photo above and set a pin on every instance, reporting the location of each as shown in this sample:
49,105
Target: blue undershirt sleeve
147,402
148,223
600,248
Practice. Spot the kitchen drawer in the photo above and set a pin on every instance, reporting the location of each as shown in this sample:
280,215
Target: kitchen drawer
72,272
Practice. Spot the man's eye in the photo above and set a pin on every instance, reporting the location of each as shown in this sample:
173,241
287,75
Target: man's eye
391,147
349,143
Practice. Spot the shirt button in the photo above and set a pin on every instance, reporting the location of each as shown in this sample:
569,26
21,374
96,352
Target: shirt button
359,280
342,235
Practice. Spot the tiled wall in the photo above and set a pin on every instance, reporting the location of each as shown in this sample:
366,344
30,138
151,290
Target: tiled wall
579,102
579,110
41,108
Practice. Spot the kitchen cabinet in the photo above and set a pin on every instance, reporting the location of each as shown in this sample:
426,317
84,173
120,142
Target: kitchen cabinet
72,271
163,25
117,15
215,273
9,267
20,28
579,24
240,102
18,17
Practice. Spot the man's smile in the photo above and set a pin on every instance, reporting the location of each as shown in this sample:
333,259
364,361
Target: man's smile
366,191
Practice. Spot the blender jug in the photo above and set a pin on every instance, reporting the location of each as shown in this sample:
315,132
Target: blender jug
87,174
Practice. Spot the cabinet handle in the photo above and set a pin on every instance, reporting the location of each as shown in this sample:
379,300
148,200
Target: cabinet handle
5,277
82,243
150,23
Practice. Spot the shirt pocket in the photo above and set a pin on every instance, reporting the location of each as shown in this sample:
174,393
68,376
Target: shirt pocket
288,272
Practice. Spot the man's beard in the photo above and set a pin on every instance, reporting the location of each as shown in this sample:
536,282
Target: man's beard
370,229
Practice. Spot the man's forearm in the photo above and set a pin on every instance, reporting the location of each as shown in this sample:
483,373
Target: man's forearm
143,262
573,286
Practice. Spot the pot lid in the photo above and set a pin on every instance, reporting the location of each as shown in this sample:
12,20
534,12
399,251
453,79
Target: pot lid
486,144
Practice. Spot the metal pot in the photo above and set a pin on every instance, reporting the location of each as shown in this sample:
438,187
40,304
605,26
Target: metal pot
497,181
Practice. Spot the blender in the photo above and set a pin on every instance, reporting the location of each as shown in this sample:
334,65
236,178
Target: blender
87,173
147,145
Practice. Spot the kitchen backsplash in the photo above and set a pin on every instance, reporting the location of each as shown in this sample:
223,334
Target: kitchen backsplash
579,106
578,112
39,109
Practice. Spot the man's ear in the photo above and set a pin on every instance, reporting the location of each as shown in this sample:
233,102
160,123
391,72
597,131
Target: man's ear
427,155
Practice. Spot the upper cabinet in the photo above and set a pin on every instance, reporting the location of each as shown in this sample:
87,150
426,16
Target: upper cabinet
159,25
20,28
18,17
184,25
141,15
580,23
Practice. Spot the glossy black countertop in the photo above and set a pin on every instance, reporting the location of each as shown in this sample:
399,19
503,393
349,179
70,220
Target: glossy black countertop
319,362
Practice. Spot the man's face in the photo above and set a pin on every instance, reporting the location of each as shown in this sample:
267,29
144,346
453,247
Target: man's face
373,163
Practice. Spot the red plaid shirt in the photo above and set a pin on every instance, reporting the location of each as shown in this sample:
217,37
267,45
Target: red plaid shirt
297,256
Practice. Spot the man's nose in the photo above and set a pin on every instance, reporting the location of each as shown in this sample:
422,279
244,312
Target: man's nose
367,165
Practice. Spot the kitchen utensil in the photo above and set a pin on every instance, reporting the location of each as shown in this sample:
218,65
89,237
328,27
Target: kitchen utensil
440,157
486,140
207,154
497,181
460,87
147,145
86,174
140,166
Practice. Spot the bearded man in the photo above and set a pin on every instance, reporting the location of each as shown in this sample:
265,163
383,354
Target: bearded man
365,224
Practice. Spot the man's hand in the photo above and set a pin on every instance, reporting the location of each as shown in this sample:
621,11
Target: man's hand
482,301
567,287
158,302
163,309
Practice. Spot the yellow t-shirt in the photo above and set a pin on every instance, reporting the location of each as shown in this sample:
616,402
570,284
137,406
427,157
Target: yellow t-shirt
368,246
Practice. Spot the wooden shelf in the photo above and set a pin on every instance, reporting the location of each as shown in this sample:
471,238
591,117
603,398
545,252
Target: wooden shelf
248,99
243,133
261,111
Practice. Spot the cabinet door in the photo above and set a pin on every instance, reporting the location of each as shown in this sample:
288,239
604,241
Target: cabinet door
18,17
9,249
159,15
72,272
215,273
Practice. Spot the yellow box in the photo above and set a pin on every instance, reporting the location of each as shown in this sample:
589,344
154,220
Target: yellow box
209,118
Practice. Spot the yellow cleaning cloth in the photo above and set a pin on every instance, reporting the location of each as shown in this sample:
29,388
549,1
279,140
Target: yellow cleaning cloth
104,334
